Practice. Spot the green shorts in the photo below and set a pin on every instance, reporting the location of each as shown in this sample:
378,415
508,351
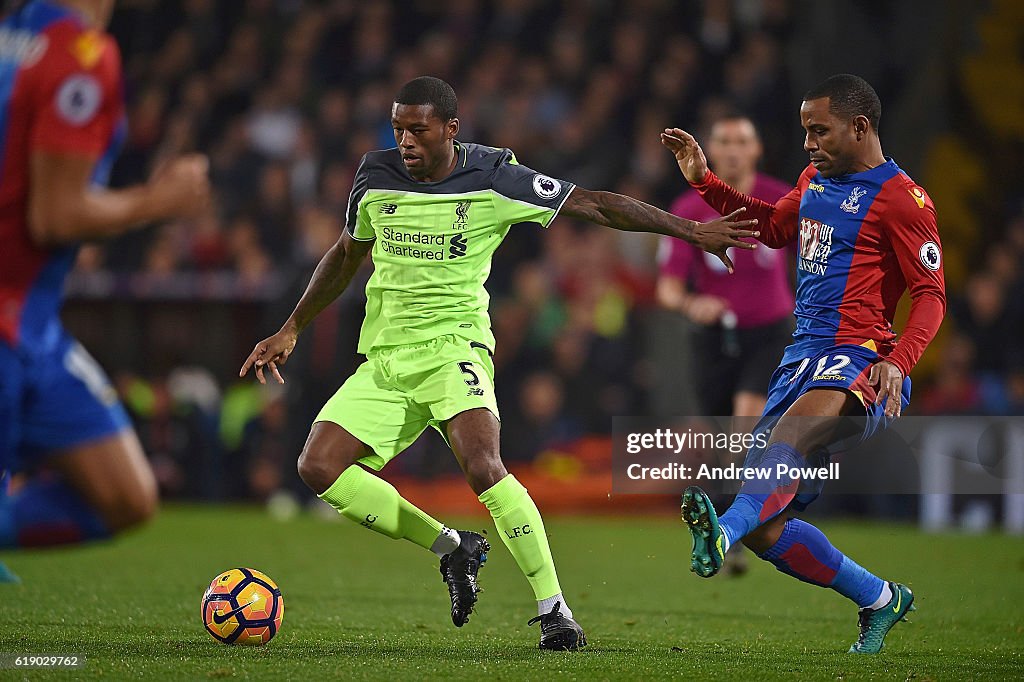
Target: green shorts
401,390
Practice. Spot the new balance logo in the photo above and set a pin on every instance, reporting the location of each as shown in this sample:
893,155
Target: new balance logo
475,391
457,247
388,209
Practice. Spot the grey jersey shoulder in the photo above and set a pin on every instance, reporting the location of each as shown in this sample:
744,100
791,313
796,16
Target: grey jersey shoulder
384,169
486,158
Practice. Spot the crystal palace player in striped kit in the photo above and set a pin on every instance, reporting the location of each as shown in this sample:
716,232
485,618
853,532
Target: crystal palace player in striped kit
61,123
867,234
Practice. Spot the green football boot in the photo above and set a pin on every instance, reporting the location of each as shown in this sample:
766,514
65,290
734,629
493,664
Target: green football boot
876,623
708,541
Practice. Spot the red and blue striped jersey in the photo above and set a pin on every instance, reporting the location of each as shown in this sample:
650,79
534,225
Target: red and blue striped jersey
60,93
864,240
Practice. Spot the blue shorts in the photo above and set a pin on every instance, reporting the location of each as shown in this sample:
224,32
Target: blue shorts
51,399
843,368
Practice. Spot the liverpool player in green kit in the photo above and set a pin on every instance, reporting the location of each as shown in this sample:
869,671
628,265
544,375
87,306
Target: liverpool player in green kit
433,210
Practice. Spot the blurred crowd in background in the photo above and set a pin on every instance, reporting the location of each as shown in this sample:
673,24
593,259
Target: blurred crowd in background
285,96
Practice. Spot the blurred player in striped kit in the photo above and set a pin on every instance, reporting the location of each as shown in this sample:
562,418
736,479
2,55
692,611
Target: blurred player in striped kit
61,126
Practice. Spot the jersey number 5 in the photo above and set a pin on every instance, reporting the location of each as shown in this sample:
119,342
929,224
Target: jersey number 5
467,368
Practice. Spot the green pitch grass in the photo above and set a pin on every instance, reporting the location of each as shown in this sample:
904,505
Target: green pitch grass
360,606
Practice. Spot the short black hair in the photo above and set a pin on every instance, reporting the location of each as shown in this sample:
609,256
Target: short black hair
432,91
849,96
734,115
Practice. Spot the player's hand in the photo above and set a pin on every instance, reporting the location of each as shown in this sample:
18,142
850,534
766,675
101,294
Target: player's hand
721,234
706,310
889,380
688,153
271,352
181,186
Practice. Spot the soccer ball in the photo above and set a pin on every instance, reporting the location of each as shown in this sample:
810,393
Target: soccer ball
242,606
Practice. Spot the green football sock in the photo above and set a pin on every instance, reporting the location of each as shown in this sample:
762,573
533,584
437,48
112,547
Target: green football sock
522,530
373,502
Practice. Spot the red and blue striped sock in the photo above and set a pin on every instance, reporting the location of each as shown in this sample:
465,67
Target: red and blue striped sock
762,499
48,512
804,552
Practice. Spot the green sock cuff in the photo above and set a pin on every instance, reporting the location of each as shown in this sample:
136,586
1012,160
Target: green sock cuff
343,491
503,496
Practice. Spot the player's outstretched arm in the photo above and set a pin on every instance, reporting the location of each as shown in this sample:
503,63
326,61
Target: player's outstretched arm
65,209
330,279
630,215
777,222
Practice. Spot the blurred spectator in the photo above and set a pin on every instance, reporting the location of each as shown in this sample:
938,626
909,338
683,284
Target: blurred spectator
175,416
208,248
981,315
956,390
539,421
741,322
266,456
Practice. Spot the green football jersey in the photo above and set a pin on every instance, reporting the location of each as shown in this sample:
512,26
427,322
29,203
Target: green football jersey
433,241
